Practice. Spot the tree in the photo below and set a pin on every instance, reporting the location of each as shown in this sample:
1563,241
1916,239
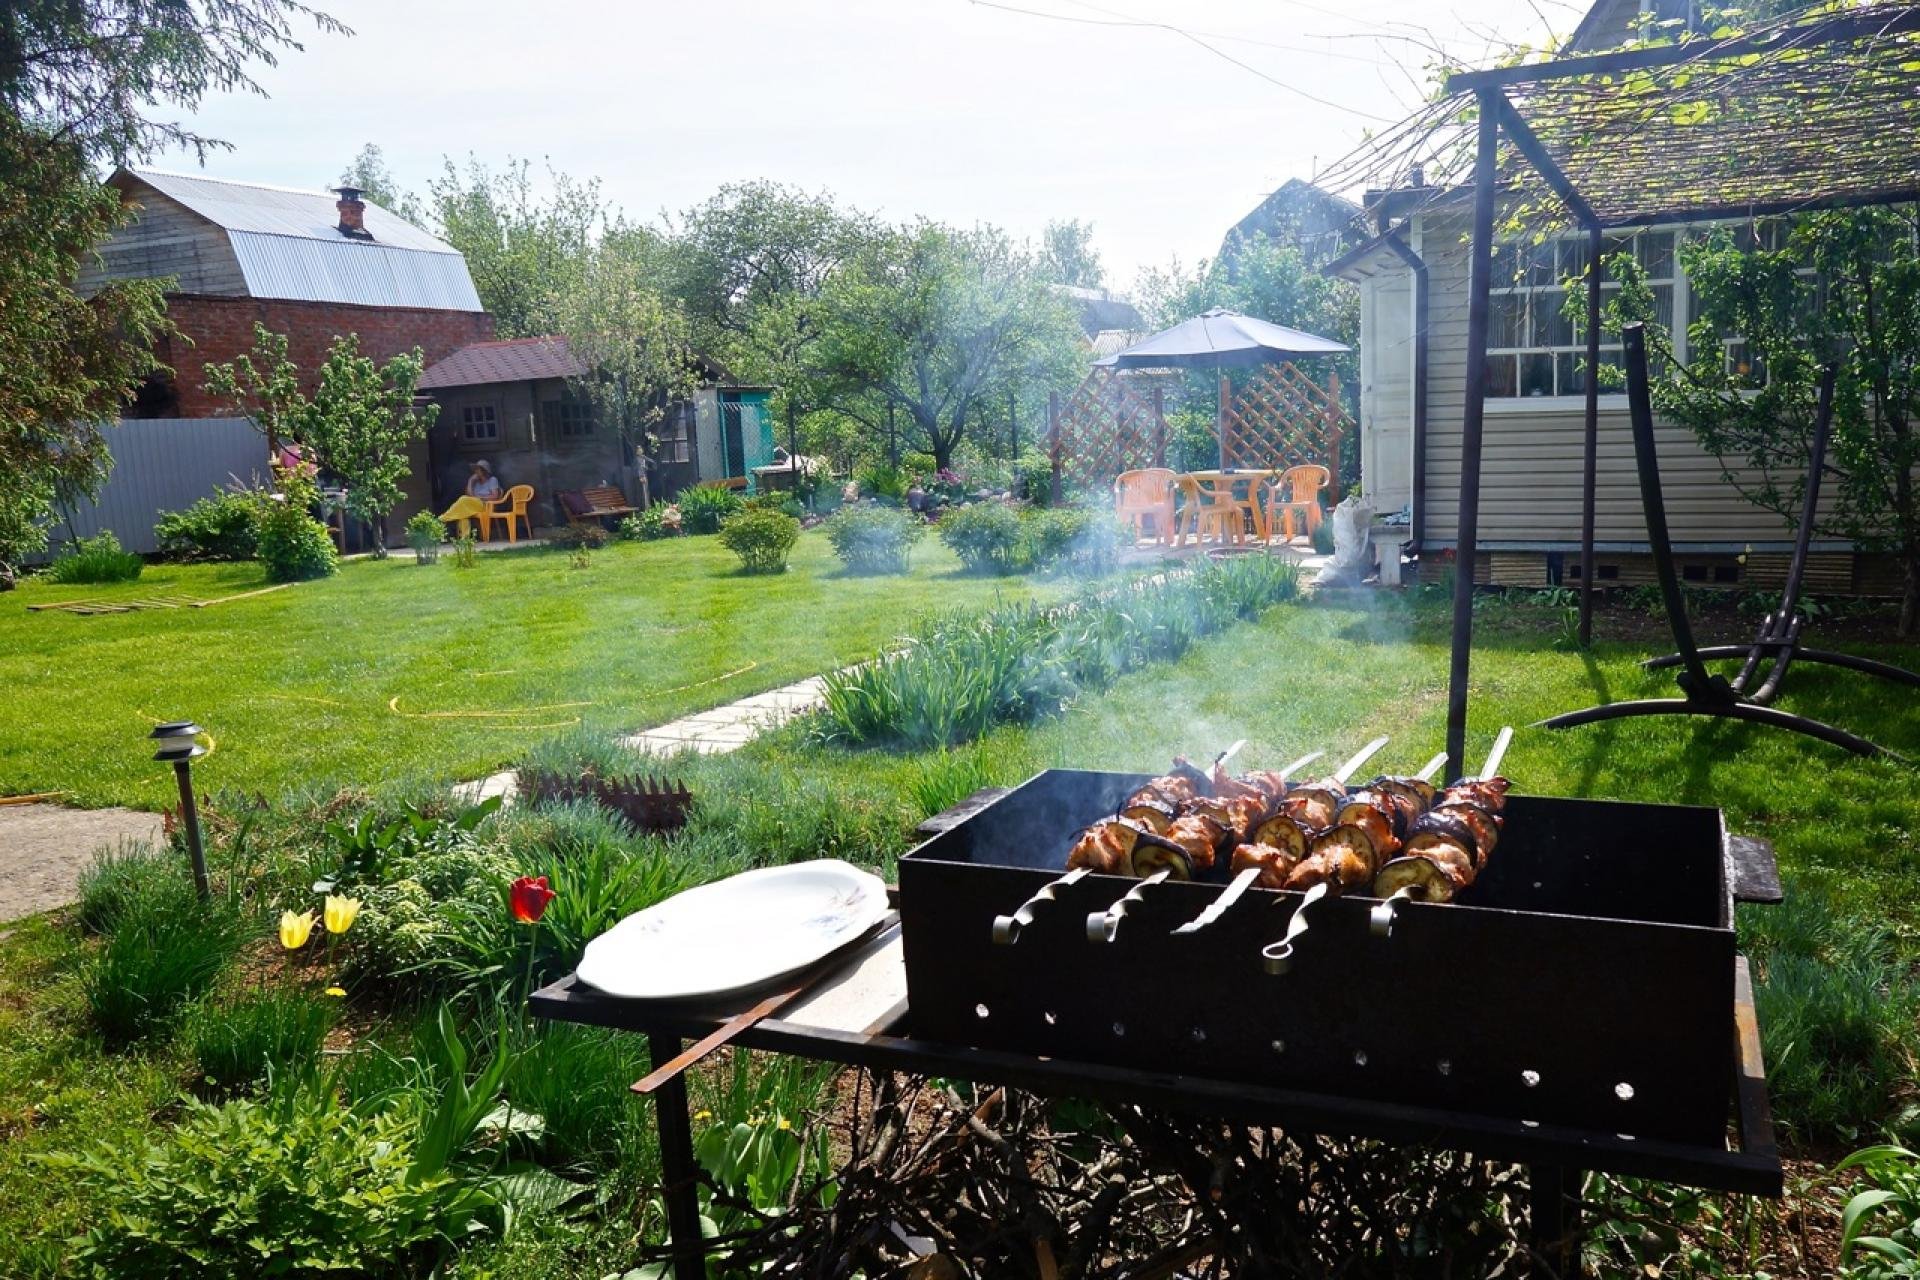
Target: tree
935,322
632,336
376,182
1067,255
78,79
1765,318
359,423
526,252
71,364
262,385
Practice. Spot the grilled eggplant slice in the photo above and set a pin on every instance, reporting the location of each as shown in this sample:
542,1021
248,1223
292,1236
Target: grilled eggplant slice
1375,814
1418,790
1278,829
1445,838
1431,881
1153,853
1342,842
1273,864
1150,812
1484,825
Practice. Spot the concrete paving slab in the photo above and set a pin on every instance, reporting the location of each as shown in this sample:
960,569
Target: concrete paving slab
44,847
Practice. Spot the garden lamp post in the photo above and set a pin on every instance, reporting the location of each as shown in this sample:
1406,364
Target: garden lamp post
178,742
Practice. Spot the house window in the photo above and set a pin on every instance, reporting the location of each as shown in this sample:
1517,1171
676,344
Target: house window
674,443
1532,349
1748,368
567,419
479,424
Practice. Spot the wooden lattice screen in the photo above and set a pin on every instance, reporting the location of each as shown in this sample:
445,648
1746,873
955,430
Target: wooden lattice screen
1105,427
1282,418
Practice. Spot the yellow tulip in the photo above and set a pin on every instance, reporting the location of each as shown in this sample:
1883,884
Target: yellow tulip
336,991
340,913
295,928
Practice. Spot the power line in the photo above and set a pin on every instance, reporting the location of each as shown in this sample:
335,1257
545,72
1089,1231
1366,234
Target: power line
1191,37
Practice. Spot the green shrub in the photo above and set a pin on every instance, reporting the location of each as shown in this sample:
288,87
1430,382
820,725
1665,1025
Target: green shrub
887,483
299,1184
225,526
1033,477
762,539
96,559
1323,538
120,879
1072,539
579,537
986,536
780,500
661,520
261,1035
293,545
704,508
873,539
164,950
424,535
466,551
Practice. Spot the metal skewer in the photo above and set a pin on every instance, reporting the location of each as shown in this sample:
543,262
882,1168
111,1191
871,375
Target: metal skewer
1103,926
1432,767
1305,760
1235,890
1006,929
1492,766
1229,753
1277,957
1360,757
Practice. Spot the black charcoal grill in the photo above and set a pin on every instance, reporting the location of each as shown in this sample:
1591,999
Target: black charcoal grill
1586,979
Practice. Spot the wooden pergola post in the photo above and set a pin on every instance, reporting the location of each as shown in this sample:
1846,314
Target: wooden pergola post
1053,442
1220,417
1333,435
1159,425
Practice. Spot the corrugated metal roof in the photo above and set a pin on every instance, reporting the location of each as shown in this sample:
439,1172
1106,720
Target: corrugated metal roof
350,271
284,211
508,360
289,245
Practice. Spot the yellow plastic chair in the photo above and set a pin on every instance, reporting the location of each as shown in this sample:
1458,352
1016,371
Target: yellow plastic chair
465,510
1146,494
1298,491
512,508
1208,518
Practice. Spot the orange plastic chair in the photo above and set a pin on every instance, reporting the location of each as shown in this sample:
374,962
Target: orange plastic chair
1147,494
1208,517
1298,491
512,508
464,512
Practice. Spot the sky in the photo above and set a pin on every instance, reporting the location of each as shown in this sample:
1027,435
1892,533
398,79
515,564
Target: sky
959,110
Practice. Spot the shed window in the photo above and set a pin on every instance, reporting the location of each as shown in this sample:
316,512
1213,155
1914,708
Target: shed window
567,418
479,424
674,443
1532,348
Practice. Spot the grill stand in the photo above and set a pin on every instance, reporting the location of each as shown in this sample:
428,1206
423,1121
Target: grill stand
855,1013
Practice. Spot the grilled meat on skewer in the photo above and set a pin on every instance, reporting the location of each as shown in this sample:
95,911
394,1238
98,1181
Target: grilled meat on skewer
1337,866
1316,803
1106,847
1355,840
1153,854
1433,881
1489,793
1278,829
1200,836
1416,789
1378,817
1273,864
1484,825
1446,834
1151,812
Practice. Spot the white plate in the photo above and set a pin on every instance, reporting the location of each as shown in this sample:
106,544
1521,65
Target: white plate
734,934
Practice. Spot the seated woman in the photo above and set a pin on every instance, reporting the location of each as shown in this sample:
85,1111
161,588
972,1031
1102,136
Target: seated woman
481,482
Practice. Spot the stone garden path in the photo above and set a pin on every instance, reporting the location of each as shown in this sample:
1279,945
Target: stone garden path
44,846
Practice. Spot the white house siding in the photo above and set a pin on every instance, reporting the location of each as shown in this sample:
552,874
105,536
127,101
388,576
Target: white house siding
1531,458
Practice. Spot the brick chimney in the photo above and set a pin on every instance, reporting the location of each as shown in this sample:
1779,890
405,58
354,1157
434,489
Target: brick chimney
353,213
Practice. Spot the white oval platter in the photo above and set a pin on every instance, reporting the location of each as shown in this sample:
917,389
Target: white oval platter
735,934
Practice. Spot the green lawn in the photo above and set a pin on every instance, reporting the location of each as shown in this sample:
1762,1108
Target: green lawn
301,685
1835,966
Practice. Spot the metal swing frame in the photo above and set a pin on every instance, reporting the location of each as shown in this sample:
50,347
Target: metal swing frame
1708,694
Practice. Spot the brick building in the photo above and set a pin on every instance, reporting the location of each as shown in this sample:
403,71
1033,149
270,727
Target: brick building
309,264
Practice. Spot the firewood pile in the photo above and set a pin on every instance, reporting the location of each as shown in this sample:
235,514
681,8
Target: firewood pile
937,1184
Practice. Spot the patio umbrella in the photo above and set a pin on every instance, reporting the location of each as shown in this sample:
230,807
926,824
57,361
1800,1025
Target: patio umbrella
1218,338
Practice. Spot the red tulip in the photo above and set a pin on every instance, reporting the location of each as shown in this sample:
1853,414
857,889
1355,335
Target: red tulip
529,898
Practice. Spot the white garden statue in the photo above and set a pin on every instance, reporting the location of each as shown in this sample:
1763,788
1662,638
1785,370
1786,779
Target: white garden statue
1352,559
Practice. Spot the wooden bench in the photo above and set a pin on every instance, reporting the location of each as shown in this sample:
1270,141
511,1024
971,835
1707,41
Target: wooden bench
600,501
